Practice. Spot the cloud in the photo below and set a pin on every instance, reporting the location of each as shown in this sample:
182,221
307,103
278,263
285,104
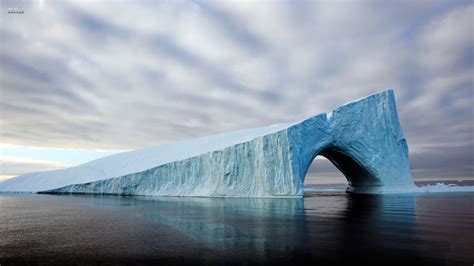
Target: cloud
87,75
444,162
13,166
444,42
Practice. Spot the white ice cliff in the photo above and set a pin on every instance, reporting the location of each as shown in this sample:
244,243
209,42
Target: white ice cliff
362,138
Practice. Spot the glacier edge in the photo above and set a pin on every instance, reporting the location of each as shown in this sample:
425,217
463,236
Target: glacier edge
362,138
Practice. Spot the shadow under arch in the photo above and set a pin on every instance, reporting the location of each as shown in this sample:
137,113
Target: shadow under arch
356,174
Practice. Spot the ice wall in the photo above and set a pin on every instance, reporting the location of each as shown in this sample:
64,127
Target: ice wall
133,161
362,138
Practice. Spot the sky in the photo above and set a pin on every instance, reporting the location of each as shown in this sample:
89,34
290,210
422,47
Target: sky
83,80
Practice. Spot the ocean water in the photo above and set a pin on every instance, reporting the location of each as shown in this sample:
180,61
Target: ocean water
323,228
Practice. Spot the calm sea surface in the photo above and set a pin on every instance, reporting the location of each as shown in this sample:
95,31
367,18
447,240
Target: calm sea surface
324,228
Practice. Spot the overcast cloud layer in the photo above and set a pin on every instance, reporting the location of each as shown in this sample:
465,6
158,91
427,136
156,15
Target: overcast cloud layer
125,75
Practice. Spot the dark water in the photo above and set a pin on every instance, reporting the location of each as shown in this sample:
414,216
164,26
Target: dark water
329,228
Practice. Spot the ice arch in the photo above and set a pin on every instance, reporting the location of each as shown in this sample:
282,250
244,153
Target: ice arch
355,174
362,138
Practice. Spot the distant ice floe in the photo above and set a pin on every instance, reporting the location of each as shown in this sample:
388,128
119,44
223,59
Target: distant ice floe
439,187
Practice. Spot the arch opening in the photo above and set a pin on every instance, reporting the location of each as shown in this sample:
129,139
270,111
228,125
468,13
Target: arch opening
349,170
323,173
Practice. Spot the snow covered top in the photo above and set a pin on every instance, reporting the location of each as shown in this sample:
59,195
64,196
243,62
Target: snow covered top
133,161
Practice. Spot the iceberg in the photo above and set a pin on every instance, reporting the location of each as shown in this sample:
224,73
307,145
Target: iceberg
363,139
